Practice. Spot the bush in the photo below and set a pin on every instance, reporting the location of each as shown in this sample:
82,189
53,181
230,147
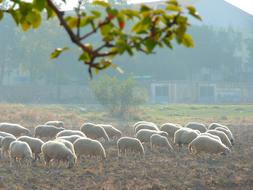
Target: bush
120,97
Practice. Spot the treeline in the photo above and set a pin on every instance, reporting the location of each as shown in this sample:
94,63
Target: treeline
219,55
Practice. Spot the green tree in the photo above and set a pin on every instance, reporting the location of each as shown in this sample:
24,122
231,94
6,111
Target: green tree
150,28
120,97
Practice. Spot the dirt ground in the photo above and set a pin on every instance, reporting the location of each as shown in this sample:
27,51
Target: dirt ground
158,170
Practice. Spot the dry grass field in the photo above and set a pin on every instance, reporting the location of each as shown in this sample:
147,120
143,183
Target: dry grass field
157,171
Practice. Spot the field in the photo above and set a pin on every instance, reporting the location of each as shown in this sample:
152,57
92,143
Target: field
157,171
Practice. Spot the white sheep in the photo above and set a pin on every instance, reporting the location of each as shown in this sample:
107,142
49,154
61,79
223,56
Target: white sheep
111,131
223,137
35,145
4,134
140,122
144,134
57,151
71,138
55,123
70,133
94,131
149,126
196,126
47,131
184,136
68,144
14,129
5,143
89,147
130,144
228,133
215,125
20,150
170,128
207,144
157,140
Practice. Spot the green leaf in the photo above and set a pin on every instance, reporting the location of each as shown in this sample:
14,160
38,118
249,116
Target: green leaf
39,4
72,21
173,8
150,44
106,29
85,57
97,14
188,41
57,52
1,15
101,3
145,8
25,25
16,16
34,18
193,12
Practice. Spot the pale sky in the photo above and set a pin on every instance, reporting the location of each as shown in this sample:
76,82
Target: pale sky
245,5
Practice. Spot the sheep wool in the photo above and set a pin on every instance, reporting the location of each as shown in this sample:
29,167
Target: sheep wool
184,136
35,145
130,144
170,128
21,151
207,144
70,133
94,131
196,126
157,140
14,129
111,131
144,134
55,123
47,131
223,137
5,142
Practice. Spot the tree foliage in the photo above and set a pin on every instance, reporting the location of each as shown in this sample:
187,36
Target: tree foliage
118,96
149,28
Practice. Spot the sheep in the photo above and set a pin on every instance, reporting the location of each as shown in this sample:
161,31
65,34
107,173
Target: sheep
211,135
68,144
20,150
71,138
89,147
196,126
228,133
47,131
161,141
207,144
70,133
149,126
55,123
5,142
35,145
170,128
94,131
223,137
111,131
184,136
129,144
4,134
144,134
57,151
14,129
215,125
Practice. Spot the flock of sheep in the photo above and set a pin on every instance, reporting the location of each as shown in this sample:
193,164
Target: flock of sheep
58,144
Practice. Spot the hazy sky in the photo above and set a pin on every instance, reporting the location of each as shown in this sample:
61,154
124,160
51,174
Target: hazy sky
246,5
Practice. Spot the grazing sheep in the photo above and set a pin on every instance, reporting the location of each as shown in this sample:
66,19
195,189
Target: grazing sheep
94,131
57,151
207,144
71,138
14,129
47,131
161,141
89,147
149,126
144,134
5,142
20,150
4,134
184,136
35,145
170,128
223,137
215,125
228,133
70,133
55,123
211,135
129,144
111,131
196,126
68,144
0,141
